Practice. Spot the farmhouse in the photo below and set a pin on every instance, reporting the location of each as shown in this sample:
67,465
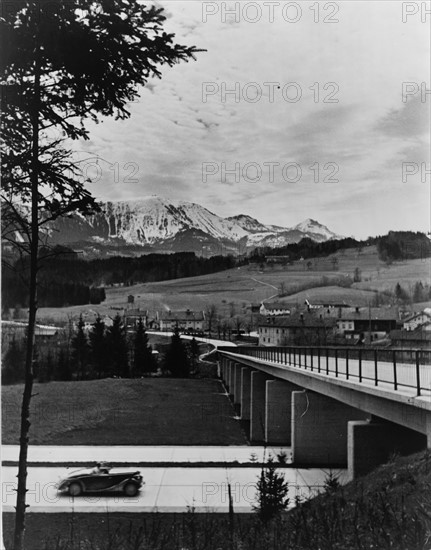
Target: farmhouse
355,323
411,339
417,320
11,330
296,329
327,304
184,320
274,309
132,316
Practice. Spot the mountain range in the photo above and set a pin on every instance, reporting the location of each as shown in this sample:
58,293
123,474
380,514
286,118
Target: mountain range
156,224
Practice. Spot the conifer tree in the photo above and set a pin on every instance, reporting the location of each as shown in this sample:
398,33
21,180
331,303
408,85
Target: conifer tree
97,342
142,354
116,345
176,360
80,350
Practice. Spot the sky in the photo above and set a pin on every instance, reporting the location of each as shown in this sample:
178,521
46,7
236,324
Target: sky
328,116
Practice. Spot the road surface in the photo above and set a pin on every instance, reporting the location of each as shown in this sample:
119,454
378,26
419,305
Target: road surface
165,490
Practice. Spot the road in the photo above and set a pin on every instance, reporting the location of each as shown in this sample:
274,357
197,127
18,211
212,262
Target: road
166,490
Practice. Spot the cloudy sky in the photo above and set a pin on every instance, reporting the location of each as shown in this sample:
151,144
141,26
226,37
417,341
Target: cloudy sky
318,126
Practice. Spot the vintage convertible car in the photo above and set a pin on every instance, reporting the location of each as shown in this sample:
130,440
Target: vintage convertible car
101,479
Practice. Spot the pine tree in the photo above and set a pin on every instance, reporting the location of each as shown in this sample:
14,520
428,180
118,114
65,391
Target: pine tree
116,345
13,363
272,491
419,294
98,354
142,354
63,371
194,353
176,360
80,350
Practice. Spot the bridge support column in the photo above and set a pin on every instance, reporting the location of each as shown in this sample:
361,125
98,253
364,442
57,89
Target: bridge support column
231,377
278,412
257,406
237,387
371,443
245,392
319,429
226,373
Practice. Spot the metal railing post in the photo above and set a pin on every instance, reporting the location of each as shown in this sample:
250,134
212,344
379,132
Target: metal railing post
311,359
327,362
360,366
336,363
394,361
347,364
375,369
299,358
318,359
418,379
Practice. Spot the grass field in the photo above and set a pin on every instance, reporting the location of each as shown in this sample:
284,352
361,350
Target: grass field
160,411
252,284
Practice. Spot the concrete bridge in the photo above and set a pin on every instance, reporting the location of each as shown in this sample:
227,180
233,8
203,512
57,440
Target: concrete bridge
335,407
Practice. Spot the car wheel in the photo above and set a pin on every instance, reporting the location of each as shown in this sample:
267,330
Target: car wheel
75,489
130,489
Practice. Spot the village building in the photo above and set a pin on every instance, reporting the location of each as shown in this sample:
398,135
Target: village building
298,329
133,315
327,304
188,320
371,323
411,339
16,330
417,320
274,309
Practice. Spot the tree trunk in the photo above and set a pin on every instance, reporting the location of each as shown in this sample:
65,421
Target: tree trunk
29,374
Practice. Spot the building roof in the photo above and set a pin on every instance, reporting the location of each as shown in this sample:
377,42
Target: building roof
39,330
177,316
365,314
275,305
327,302
410,335
295,321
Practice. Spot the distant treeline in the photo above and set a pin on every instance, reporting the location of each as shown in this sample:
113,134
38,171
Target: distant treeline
66,279
396,245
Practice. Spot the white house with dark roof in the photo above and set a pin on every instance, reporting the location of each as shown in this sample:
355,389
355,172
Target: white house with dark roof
184,320
275,308
418,320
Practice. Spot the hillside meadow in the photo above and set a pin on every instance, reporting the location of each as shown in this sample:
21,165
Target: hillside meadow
234,290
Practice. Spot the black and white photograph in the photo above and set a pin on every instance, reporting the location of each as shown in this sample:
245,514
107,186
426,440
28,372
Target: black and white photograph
215,274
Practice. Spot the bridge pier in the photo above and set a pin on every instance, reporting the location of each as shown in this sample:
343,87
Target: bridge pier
237,388
319,429
231,378
372,442
245,392
257,406
278,412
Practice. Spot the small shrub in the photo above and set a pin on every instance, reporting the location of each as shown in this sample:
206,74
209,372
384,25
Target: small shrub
272,490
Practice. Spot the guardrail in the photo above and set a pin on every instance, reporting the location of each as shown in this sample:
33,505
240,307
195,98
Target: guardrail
400,368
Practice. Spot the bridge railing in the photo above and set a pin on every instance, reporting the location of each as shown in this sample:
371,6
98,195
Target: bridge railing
396,368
